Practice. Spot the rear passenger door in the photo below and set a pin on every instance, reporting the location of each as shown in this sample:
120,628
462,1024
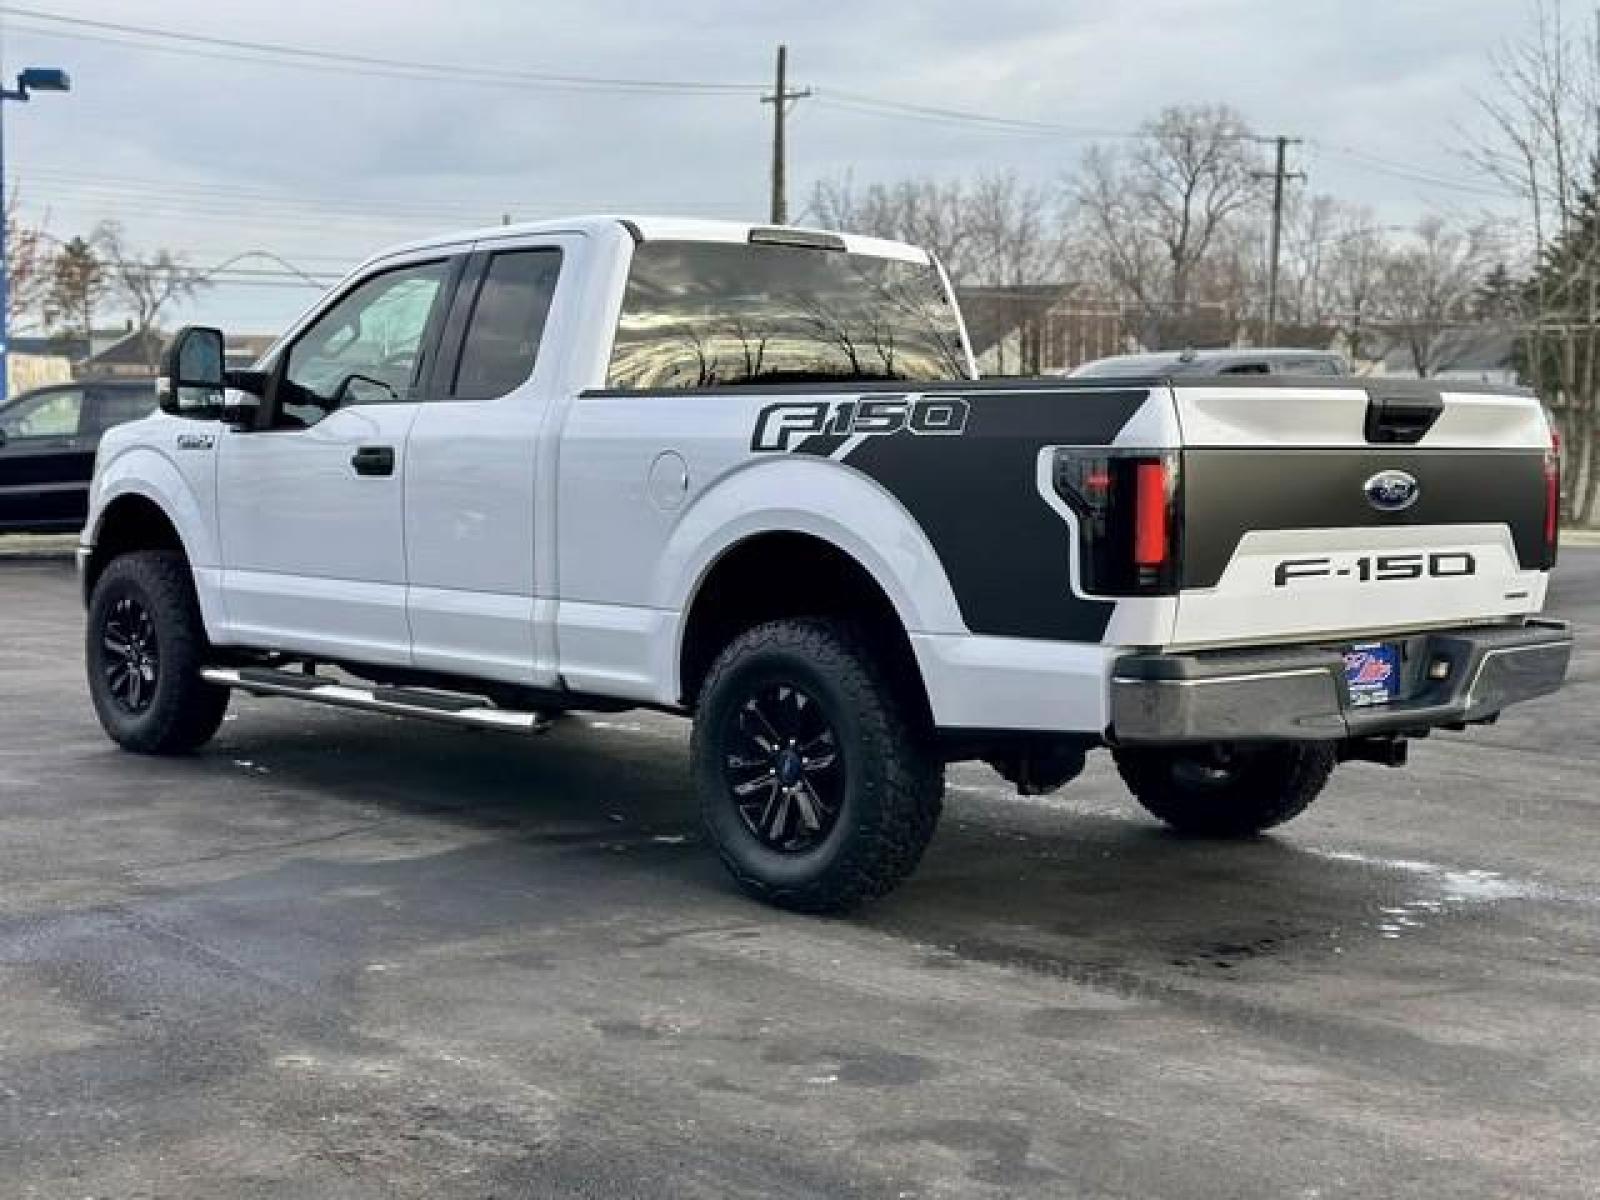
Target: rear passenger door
478,531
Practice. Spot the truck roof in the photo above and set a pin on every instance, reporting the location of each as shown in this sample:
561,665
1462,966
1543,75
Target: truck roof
657,228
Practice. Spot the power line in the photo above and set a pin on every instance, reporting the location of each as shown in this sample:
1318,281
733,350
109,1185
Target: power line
877,106
1411,174
287,55
211,191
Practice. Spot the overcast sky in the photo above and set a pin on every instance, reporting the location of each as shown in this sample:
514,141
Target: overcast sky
213,155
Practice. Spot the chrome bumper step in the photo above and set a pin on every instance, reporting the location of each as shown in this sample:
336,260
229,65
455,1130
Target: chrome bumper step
1298,693
448,707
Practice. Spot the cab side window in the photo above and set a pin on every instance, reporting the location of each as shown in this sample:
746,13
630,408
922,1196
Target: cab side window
506,323
366,349
47,415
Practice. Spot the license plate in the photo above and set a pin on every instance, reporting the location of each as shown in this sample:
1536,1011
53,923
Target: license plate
1372,672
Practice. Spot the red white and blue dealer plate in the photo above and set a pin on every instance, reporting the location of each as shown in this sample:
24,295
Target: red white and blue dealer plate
1372,672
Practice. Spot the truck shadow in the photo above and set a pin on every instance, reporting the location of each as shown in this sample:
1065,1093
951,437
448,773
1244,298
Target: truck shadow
1081,885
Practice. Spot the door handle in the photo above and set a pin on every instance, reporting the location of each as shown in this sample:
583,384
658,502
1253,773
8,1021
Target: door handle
373,460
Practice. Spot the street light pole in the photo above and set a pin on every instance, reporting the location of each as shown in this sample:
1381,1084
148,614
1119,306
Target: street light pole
34,79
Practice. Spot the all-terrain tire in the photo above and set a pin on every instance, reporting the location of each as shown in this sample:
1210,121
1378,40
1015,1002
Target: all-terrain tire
888,783
146,600
1227,791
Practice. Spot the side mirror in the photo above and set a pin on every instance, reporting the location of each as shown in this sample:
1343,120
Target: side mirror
193,374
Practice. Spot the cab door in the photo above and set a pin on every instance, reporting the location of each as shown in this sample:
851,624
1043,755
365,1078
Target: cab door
479,530
309,501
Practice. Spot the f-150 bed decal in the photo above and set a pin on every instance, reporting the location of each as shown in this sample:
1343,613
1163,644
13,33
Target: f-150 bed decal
785,425
1006,553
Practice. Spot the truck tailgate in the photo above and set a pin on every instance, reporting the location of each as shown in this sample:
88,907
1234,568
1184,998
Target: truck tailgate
1318,512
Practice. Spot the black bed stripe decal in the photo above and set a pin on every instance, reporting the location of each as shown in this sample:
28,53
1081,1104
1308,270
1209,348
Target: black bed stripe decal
1006,552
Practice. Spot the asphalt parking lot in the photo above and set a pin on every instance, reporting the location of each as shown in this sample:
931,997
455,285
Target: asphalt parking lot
344,956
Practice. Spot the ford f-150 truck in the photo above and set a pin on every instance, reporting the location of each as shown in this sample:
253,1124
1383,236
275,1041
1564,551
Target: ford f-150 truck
749,475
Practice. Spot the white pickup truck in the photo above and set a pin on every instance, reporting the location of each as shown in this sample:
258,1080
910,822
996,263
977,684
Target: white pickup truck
749,475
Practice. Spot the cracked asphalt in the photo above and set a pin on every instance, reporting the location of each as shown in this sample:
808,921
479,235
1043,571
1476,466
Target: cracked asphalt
341,956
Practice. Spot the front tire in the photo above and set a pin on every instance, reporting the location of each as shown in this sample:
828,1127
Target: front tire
817,784
1227,790
145,646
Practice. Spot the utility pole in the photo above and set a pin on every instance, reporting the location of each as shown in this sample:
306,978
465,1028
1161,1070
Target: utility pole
34,79
780,104
1279,176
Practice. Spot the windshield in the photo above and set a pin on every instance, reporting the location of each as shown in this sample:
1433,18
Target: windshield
719,314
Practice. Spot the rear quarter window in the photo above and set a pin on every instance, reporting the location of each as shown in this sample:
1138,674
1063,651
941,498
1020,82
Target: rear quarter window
507,323
714,314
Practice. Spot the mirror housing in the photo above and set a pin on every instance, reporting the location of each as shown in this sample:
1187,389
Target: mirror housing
193,374
195,382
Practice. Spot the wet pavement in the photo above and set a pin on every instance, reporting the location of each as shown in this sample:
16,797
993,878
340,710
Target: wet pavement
344,956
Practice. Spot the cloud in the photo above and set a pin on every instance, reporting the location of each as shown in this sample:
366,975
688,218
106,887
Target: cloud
217,156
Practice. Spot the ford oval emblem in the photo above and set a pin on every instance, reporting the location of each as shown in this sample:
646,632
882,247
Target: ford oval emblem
1392,491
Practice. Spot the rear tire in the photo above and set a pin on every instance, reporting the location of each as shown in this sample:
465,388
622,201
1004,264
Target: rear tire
1226,790
817,785
144,647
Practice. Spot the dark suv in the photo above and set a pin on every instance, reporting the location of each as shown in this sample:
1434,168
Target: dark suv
1265,360
48,438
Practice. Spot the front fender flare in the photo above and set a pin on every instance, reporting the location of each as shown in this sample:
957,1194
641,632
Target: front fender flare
144,471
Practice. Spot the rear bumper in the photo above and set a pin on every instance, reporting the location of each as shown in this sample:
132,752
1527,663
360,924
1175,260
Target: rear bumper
1299,693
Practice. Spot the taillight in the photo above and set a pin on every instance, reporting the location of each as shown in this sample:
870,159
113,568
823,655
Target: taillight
1552,498
1127,506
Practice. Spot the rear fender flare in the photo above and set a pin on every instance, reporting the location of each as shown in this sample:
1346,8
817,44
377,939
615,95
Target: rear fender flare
842,507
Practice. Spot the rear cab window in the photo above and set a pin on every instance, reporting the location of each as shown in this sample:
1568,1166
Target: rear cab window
506,323
729,314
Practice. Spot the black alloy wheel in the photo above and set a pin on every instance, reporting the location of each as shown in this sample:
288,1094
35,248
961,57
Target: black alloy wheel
782,765
132,660
819,785
144,650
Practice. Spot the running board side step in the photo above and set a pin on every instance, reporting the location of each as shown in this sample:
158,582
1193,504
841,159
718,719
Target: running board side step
449,707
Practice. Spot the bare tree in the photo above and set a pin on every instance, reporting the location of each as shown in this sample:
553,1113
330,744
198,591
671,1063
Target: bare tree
1309,233
1543,116
1154,210
27,263
1430,284
145,285
78,280
1356,264
1015,249
998,233
926,212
